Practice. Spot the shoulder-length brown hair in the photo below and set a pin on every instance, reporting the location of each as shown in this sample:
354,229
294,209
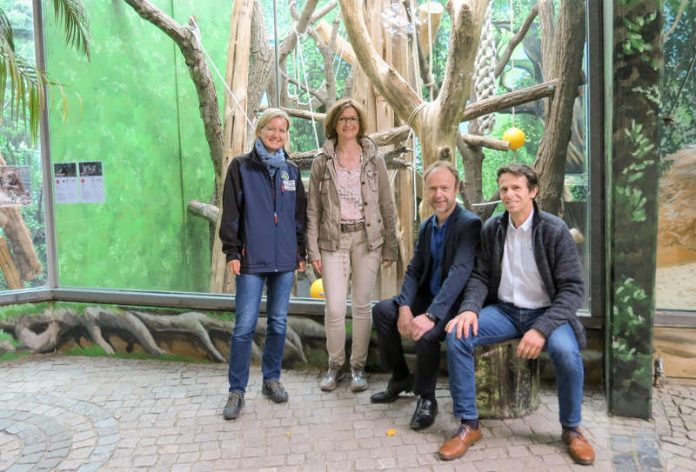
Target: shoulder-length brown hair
334,114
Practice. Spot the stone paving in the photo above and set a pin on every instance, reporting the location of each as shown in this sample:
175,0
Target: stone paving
72,413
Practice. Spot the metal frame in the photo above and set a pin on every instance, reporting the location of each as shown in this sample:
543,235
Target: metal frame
47,182
596,37
595,133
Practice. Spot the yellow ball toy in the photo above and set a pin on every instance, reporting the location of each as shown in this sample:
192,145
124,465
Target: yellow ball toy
316,290
515,137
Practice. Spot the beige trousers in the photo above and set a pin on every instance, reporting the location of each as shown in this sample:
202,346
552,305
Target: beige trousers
353,263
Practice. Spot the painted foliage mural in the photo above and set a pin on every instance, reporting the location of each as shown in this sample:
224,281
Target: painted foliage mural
637,63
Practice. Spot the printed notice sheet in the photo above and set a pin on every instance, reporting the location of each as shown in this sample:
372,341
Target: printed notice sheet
91,182
67,186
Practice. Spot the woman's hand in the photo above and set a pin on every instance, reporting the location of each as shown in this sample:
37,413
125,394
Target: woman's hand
386,263
235,266
316,265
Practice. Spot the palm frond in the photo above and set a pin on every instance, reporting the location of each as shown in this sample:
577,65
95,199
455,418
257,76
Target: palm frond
6,29
25,85
71,13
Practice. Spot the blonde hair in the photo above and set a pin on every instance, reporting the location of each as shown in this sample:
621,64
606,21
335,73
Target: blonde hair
269,115
334,114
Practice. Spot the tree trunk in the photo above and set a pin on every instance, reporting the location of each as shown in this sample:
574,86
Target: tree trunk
237,76
506,386
551,158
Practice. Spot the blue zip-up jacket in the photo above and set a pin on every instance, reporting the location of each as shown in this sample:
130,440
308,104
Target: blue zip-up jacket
263,220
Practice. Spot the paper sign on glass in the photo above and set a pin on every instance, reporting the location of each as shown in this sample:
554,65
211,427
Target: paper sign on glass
67,186
91,182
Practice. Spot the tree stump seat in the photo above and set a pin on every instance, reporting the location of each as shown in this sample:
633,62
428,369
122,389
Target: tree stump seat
506,386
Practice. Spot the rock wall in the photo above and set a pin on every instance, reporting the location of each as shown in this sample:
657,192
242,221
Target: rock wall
677,211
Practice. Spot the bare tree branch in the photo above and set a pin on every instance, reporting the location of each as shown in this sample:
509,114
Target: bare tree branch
187,39
384,77
516,39
467,20
206,210
515,98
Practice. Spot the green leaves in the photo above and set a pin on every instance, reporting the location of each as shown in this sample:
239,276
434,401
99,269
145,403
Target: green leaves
26,84
71,14
634,42
630,198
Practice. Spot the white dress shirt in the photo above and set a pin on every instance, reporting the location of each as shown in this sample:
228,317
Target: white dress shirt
520,282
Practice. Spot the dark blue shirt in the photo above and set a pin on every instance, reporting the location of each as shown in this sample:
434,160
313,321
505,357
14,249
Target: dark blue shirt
437,244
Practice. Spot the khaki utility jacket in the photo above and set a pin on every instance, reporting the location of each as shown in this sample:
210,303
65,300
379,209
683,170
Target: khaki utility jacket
324,206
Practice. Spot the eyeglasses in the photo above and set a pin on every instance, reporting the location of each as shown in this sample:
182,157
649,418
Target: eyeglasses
349,119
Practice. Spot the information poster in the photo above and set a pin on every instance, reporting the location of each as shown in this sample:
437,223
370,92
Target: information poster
67,184
15,186
91,182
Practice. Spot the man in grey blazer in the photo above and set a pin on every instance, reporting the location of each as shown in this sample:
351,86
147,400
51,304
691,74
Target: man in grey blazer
527,283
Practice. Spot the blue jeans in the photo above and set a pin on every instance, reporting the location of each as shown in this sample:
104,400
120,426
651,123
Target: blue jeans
248,302
500,322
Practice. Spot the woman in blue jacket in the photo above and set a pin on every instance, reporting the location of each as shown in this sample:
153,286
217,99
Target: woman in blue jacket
262,234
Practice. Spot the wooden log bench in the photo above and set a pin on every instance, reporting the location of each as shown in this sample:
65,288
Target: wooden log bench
506,386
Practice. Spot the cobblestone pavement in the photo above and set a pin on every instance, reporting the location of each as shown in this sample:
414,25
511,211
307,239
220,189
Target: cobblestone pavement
72,413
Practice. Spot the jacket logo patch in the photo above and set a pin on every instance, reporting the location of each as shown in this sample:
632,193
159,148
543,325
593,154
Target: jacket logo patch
289,185
284,175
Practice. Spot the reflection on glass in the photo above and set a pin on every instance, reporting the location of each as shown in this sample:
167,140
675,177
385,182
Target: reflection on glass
676,247
22,233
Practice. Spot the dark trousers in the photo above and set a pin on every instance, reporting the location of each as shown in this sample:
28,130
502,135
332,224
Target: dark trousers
391,352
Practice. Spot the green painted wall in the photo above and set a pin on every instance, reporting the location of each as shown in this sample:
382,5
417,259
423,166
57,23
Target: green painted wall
134,108
634,62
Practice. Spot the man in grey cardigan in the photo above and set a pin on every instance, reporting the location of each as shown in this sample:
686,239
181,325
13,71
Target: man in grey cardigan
527,283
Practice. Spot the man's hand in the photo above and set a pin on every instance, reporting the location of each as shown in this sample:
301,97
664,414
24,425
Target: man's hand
421,325
316,265
235,266
301,266
531,344
405,322
462,323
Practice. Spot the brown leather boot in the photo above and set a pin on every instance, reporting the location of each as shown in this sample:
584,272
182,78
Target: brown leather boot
579,448
458,444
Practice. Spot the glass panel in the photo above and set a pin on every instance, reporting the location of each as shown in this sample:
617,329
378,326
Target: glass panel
676,248
133,113
23,232
134,117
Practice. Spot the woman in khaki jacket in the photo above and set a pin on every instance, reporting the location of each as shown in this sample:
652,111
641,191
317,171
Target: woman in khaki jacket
350,230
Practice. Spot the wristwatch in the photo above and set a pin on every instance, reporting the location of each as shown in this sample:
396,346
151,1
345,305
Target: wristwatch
431,317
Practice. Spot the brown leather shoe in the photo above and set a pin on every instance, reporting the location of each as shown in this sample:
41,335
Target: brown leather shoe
458,444
579,448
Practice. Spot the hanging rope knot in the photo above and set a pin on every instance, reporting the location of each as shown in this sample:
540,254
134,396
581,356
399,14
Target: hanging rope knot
484,75
414,113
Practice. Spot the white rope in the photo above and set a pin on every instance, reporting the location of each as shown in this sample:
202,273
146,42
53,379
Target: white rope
419,88
304,74
224,82
430,45
484,78
512,61
494,202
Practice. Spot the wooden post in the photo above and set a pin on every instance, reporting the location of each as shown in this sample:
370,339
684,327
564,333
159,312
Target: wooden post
429,15
8,267
235,136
